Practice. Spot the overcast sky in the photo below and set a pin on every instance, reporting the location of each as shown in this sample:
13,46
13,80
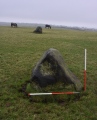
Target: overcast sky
82,13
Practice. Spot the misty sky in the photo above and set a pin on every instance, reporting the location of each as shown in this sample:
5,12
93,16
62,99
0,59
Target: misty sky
82,13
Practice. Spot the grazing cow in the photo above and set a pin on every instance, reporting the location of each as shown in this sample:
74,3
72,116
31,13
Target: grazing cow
47,26
13,24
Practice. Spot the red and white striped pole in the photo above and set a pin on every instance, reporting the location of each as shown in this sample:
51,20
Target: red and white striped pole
53,93
85,71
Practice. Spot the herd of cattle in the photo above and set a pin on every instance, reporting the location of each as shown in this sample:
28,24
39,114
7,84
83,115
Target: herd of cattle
15,25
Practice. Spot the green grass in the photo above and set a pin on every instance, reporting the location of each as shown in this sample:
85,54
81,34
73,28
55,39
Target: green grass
20,50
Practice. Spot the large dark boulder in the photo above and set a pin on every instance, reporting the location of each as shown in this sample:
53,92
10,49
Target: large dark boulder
51,68
38,30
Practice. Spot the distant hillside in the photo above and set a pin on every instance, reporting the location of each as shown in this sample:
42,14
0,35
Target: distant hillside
43,25
22,24
4,24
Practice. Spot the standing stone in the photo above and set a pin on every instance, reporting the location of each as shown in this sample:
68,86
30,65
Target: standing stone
51,68
38,30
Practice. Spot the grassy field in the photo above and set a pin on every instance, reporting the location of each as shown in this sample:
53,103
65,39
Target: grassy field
20,50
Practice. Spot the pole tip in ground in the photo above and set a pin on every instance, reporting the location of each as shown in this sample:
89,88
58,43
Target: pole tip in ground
28,94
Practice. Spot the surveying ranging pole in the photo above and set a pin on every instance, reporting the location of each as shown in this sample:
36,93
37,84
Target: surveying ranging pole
53,93
85,70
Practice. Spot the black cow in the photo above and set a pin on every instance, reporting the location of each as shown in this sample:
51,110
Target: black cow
47,26
13,24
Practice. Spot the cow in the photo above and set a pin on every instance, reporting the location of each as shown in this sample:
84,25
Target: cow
13,24
47,26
